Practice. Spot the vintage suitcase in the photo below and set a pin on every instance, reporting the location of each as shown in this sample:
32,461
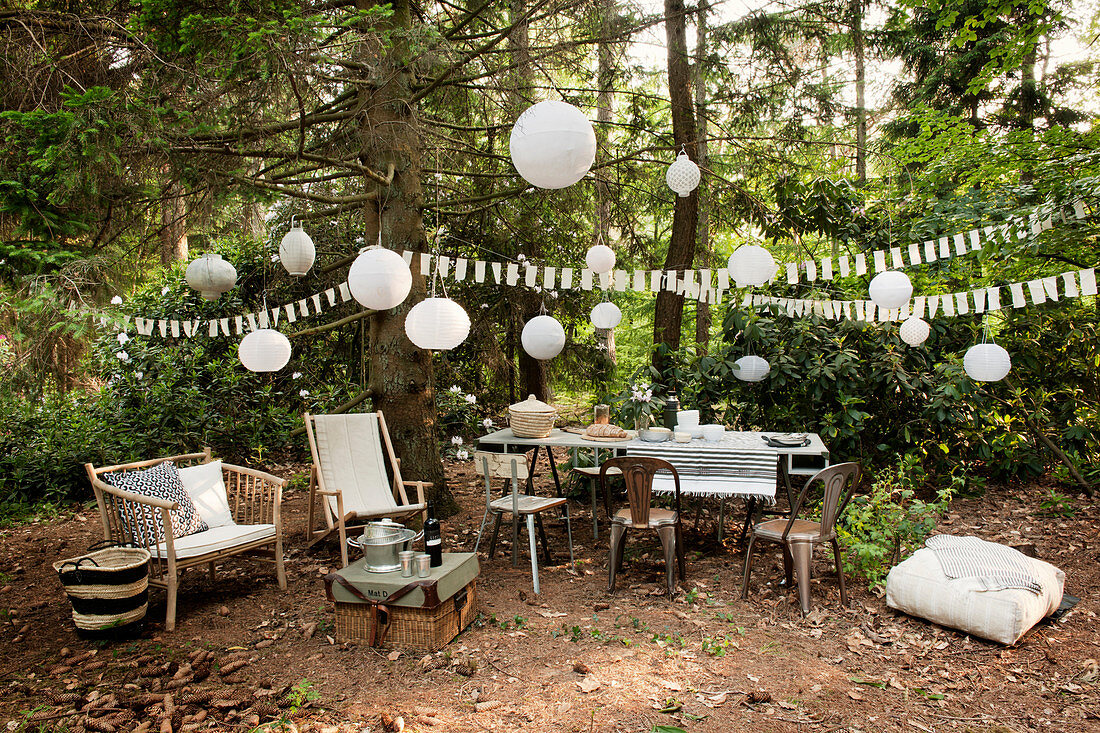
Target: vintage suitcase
414,614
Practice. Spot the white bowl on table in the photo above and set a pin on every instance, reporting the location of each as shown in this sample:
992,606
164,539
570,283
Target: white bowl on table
713,433
682,436
655,435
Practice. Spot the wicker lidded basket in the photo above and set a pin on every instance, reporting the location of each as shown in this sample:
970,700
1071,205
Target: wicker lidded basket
531,418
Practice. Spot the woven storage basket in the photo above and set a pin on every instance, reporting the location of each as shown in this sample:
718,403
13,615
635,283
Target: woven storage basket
531,418
408,628
108,589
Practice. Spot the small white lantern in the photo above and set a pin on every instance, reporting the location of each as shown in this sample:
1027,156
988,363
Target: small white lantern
543,337
751,368
211,275
437,324
683,175
552,144
606,315
379,279
987,363
751,265
296,251
914,331
600,258
890,289
264,350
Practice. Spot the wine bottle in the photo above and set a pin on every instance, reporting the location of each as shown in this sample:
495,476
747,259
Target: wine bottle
433,538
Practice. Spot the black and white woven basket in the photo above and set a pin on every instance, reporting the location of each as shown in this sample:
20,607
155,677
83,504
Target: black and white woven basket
108,589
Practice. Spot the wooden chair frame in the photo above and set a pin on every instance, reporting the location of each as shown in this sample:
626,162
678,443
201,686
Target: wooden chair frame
338,522
254,497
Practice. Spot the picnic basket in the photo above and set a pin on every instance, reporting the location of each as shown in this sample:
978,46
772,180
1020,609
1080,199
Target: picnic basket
108,590
531,418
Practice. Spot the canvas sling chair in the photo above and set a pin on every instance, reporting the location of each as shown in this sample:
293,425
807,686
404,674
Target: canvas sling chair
356,475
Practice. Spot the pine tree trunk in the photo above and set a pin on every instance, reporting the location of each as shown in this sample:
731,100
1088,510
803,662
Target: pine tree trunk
703,255
669,311
173,219
401,376
861,91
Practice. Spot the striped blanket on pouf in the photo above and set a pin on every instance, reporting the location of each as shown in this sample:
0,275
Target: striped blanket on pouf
997,567
713,471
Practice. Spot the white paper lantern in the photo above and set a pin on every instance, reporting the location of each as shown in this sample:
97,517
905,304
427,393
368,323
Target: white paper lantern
890,289
543,337
264,350
752,368
914,331
552,145
296,251
683,175
987,363
379,279
606,315
211,276
437,324
600,258
751,265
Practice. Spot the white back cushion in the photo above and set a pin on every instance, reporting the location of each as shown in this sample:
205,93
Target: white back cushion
205,486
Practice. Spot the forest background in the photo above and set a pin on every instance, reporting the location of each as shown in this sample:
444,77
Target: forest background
137,135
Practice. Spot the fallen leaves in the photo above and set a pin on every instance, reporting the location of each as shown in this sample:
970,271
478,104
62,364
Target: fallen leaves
589,684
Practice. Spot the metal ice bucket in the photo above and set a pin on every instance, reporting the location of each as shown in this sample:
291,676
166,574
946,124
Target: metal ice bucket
380,543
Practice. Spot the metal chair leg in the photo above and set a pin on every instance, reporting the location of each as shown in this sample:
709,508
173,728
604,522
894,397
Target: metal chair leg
614,555
680,551
542,536
534,553
496,531
748,566
515,540
569,534
484,518
802,551
840,572
667,533
788,566
595,517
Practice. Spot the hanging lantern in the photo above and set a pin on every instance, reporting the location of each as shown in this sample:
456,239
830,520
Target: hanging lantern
751,368
751,265
211,275
914,331
543,337
600,258
987,363
552,144
296,251
379,279
606,315
437,324
683,175
264,350
890,289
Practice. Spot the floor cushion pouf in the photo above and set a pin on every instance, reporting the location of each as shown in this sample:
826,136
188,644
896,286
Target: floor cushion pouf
919,587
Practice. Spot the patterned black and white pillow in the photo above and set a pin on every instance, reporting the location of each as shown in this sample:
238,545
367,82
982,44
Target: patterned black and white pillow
159,482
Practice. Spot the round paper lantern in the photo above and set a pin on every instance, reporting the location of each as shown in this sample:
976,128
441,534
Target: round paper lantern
890,289
296,251
552,144
437,324
211,276
379,279
752,368
914,331
543,337
606,315
987,363
264,350
751,265
600,258
683,175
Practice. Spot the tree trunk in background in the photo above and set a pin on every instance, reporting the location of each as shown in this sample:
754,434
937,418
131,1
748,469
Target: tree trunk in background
173,219
605,77
534,376
401,377
856,8
704,256
669,311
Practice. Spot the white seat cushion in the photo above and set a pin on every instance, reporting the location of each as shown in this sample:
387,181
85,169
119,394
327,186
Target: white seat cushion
919,587
527,504
217,538
206,487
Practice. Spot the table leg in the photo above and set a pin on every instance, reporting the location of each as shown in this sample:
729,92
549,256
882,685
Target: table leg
750,509
554,470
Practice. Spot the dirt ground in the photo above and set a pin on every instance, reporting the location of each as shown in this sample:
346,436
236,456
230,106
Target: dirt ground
571,659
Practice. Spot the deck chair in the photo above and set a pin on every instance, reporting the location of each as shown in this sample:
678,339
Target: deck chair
356,474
